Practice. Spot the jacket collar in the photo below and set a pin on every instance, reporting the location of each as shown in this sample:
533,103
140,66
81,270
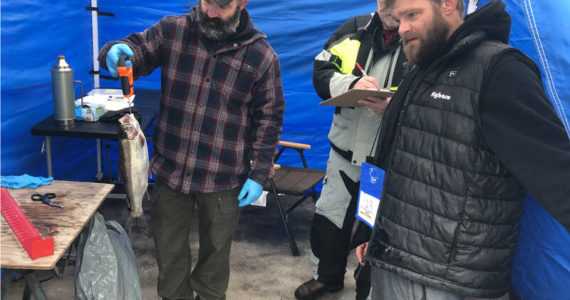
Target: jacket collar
375,28
245,35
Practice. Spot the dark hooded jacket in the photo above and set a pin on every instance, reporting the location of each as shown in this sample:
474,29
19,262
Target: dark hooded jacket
465,137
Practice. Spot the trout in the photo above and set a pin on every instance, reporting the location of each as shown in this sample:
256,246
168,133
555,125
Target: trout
133,167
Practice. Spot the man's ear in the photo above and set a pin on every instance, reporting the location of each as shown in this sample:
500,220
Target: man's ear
243,3
448,6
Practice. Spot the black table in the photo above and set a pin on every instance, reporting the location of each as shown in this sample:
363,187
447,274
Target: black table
146,102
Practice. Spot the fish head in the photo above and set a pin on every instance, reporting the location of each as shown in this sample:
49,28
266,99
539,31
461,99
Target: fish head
129,127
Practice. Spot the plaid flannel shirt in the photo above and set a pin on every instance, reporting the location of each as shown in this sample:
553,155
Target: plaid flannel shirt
221,111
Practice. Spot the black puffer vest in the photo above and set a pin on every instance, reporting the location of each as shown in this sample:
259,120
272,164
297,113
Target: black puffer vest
450,211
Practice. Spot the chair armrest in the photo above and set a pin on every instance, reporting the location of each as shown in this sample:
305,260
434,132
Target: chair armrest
294,145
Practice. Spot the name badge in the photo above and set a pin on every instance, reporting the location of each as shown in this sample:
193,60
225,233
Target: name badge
371,182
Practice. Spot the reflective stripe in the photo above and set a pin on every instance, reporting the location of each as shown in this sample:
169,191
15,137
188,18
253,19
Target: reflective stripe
340,83
325,55
346,51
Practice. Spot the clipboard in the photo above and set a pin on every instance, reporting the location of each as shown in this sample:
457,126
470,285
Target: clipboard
351,97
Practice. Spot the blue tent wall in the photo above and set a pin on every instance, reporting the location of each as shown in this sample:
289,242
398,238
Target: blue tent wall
541,270
34,32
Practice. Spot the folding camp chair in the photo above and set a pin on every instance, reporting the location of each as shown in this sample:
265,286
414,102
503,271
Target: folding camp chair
294,181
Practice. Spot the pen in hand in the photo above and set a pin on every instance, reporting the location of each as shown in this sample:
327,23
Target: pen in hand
361,69
366,82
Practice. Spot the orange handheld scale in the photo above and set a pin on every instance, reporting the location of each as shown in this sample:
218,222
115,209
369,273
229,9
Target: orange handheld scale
126,77
33,243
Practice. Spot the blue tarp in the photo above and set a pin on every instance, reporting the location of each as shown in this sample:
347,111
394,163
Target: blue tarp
34,32
541,270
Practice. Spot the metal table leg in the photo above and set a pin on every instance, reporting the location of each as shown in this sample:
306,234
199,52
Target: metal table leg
6,279
33,288
48,155
108,146
99,174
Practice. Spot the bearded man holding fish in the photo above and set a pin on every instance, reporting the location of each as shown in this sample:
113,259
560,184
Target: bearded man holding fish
219,121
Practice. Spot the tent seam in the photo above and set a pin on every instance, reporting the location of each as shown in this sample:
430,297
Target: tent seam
531,21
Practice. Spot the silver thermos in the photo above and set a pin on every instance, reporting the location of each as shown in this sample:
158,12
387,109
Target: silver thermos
63,93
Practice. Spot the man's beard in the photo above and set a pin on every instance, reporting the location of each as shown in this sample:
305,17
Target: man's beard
216,28
428,45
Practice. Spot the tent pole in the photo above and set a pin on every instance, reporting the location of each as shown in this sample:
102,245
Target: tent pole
95,31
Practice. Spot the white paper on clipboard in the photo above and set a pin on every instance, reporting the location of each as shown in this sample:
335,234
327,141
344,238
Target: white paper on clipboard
351,97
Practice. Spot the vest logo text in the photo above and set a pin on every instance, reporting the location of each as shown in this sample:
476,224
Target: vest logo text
438,95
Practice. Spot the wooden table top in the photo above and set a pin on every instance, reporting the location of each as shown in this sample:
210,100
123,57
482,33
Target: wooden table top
80,201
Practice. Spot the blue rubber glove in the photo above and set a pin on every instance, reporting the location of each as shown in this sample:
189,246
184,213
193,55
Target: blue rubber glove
16,182
253,191
117,51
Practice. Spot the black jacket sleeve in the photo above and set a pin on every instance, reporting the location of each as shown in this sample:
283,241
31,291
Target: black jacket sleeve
521,127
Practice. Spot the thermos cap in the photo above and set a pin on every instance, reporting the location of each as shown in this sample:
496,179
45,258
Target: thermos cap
61,63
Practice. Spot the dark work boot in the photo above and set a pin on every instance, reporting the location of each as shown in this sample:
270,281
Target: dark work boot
313,289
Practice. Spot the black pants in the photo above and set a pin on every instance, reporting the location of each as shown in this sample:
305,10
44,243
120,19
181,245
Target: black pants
330,244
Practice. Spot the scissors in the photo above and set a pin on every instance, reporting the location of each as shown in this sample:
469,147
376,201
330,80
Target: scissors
45,198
